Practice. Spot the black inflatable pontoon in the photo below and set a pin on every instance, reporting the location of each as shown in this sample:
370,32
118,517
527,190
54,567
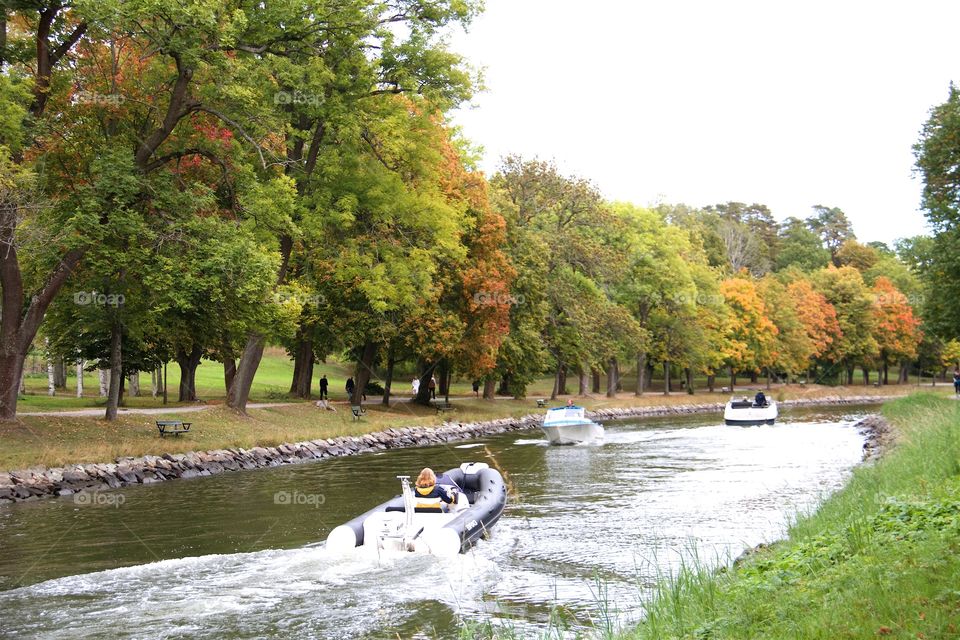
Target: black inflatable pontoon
394,526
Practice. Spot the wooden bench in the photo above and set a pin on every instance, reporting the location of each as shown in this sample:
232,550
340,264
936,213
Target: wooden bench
175,427
541,403
357,411
724,389
442,407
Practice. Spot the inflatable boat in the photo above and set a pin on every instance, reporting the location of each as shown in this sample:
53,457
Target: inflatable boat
745,411
569,425
396,525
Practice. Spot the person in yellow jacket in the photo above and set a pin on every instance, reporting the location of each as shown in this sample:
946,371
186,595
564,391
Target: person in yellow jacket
428,497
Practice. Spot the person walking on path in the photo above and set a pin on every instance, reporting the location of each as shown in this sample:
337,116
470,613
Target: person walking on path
956,381
350,386
323,388
432,386
415,385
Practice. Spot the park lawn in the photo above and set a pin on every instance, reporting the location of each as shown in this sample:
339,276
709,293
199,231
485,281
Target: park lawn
272,384
879,559
59,440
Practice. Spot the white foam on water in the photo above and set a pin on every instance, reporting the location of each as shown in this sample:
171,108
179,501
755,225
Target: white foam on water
251,594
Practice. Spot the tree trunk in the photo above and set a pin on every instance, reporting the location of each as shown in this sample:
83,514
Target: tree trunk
246,370
733,379
154,385
59,373
229,373
504,389
556,384
884,373
688,372
80,378
850,376
666,377
711,382
904,376
562,380
768,378
116,372
19,322
364,369
302,369
188,363
584,385
595,386
612,378
51,379
12,381
388,377
297,369
866,377
641,370
104,377
134,380
443,378
423,394
490,388
23,382
753,377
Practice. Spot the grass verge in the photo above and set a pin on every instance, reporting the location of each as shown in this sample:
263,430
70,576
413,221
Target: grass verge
881,558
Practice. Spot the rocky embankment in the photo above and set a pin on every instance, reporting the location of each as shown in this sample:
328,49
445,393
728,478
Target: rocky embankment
39,482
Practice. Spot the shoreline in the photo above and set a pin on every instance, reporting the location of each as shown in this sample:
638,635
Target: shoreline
35,483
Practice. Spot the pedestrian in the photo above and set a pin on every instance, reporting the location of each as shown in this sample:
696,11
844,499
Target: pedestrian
415,385
476,388
432,387
350,386
323,387
956,381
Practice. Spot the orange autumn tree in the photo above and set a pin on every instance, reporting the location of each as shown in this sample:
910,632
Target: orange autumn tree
818,316
897,329
462,328
751,343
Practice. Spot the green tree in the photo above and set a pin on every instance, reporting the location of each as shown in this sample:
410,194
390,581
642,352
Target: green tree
800,246
833,227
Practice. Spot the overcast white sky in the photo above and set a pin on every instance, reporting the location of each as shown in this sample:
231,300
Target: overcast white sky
704,102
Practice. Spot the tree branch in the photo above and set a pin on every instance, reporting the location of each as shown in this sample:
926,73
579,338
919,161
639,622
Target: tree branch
180,105
240,130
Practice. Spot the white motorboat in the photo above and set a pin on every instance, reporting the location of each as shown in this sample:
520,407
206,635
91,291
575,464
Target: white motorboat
569,425
744,411
397,525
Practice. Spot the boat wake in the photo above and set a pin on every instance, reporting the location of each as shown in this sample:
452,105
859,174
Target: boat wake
281,593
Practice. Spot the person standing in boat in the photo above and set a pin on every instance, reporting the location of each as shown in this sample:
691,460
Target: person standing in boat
428,495
760,399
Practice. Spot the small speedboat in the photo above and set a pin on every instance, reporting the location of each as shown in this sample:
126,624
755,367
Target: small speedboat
744,411
569,425
396,525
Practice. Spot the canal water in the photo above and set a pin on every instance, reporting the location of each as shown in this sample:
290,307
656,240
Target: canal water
586,534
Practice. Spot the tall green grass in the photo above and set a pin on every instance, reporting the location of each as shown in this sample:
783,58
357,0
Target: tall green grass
881,558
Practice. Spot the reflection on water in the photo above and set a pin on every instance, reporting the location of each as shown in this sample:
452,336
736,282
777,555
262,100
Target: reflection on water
221,557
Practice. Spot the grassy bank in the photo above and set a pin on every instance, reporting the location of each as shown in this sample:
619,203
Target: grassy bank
881,558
